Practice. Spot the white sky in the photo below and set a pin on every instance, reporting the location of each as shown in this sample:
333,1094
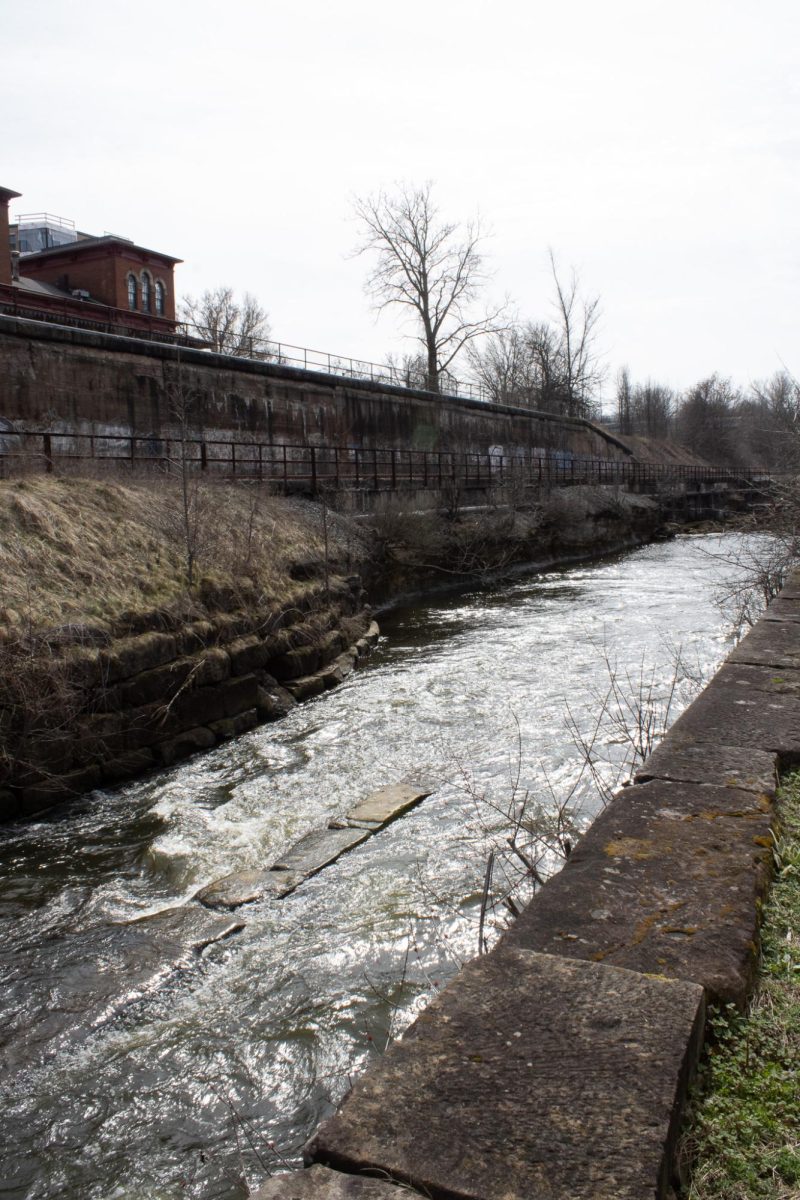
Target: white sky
654,145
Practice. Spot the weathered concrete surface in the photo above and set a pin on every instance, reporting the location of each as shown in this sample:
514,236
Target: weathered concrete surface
318,849
666,881
530,1076
318,1183
744,706
383,806
246,887
725,766
773,643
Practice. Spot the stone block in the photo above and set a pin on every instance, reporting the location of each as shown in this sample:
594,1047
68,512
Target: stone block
274,702
306,687
126,765
770,644
160,683
130,656
529,1076
303,660
319,849
386,804
246,887
186,743
738,708
725,766
318,1183
239,694
249,654
667,881
231,727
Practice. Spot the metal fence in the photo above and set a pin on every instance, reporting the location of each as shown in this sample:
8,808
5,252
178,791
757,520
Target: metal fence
312,469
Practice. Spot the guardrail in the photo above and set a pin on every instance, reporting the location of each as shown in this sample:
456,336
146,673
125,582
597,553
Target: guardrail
312,469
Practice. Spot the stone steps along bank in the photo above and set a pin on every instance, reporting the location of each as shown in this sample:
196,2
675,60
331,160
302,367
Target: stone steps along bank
167,686
558,1065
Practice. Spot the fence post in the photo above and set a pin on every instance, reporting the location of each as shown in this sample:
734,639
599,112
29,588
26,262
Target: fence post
48,453
285,472
375,467
313,471
203,456
233,458
394,470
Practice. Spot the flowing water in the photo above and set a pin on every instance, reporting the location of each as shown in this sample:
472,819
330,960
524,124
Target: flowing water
210,1076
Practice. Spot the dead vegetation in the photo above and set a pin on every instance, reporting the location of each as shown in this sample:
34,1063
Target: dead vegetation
87,551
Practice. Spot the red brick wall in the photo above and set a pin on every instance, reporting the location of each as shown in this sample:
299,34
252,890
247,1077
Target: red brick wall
103,270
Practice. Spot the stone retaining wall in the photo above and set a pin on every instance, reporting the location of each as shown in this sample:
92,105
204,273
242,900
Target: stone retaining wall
88,715
74,380
558,1065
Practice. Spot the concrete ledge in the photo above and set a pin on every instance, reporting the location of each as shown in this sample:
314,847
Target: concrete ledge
529,1076
318,1183
668,881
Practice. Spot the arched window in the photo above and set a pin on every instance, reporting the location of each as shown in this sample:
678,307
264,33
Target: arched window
146,292
131,291
160,297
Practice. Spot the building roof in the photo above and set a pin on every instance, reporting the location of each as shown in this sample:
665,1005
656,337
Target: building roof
42,289
83,245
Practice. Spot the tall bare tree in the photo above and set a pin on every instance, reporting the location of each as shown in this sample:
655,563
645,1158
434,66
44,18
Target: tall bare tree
430,266
230,326
577,319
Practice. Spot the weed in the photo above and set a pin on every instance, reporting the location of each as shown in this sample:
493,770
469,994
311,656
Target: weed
743,1142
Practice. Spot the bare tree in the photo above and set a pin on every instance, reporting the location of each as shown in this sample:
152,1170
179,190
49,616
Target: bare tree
577,318
228,325
432,267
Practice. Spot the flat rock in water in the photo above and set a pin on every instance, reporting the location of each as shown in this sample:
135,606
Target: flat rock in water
529,1076
318,1183
246,887
317,850
383,806
725,766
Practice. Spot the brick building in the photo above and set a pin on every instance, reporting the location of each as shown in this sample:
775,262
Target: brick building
51,270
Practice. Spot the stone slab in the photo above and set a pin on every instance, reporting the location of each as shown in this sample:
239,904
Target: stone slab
247,887
746,706
667,880
783,608
770,644
317,850
724,766
529,1076
386,804
319,1183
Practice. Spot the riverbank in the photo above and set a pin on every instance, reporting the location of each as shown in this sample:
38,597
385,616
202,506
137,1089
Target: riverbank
607,972
741,1142
141,623
130,1035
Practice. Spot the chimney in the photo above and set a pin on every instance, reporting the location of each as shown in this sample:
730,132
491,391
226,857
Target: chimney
5,246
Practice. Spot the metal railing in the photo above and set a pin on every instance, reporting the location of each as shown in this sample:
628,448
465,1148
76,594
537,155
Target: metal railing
313,469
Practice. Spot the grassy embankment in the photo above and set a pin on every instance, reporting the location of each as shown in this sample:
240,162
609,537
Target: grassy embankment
87,550
743,1142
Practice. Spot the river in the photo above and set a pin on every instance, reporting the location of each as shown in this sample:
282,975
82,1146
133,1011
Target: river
213,1076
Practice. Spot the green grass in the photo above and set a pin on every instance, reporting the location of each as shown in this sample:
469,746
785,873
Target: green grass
744,1139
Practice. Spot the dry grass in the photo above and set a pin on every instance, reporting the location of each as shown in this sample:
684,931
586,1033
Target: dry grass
87,550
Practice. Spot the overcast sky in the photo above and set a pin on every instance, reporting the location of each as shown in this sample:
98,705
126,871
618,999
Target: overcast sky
653,145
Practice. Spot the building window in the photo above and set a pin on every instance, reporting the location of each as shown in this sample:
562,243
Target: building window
159,298
145,292
131,291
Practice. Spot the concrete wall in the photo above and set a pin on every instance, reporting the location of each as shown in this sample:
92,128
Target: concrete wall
58,378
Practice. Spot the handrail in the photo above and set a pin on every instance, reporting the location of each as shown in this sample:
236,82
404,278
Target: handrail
315,468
